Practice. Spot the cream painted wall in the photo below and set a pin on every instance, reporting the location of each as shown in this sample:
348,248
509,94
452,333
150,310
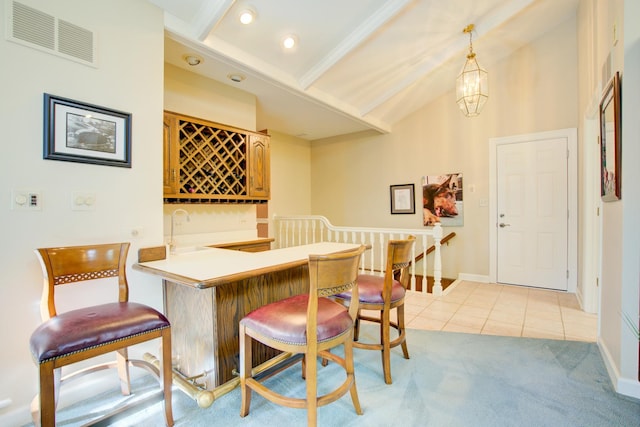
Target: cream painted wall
186,92
290,176
589,160
128,78
533,90
630,281
610,57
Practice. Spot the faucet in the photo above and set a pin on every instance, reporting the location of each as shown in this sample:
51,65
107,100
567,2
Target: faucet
172,243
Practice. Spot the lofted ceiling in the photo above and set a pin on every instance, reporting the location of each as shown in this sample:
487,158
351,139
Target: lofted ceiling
358,65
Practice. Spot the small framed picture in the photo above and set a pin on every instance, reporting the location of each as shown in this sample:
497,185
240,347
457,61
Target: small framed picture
403,200
85,133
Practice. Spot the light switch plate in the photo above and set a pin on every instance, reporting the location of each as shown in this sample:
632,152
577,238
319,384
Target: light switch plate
26,200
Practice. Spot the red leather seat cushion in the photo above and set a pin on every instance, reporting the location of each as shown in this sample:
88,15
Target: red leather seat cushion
286,320
89,327
370,290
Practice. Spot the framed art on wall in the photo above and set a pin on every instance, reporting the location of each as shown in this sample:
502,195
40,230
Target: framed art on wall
403,199
610,141
85,133
442,200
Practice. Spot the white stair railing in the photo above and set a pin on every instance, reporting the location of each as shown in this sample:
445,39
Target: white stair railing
306,229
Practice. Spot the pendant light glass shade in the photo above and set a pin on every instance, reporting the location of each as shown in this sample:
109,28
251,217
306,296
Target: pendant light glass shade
472,85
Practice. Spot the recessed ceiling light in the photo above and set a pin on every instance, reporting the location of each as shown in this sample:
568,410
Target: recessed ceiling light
247,16
236,78
192,60
290,41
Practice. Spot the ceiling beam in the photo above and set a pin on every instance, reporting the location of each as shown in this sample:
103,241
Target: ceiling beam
357,37
209,15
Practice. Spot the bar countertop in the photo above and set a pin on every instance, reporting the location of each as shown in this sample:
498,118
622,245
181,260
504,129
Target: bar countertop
205,267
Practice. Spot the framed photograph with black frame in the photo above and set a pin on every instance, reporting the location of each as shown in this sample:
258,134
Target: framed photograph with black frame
403,200
85,133
610,141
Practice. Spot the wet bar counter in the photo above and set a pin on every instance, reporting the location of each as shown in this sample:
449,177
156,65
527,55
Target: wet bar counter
208,290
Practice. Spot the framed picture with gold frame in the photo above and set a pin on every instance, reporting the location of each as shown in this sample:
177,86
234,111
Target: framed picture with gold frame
610,140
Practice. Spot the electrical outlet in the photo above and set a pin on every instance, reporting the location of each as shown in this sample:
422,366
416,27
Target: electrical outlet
26,200
136,232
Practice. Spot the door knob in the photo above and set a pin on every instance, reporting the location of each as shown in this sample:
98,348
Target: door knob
503,225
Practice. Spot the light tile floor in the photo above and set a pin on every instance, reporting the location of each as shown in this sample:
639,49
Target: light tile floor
506,310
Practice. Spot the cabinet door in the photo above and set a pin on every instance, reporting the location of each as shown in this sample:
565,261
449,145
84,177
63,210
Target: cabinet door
169,181
259,167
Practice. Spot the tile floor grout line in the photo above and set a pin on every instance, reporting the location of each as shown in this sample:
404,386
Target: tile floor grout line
491,311
524,316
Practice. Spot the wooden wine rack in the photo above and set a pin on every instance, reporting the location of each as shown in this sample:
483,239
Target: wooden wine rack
204,170
207,162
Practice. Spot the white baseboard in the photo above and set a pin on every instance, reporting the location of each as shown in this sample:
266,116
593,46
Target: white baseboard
473,277
465,277
628,387
451,286
625,386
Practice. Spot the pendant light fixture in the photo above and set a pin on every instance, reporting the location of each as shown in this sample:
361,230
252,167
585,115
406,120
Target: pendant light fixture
472,85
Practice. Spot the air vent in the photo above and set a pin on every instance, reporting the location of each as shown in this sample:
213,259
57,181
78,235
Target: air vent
36,29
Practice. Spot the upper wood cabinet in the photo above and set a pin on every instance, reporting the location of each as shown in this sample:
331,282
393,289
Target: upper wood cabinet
168,175
259,166
207,162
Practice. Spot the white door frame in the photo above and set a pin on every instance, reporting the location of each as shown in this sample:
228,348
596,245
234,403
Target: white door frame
571,136
588,292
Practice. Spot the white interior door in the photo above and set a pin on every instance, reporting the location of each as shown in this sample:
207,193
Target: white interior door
532,213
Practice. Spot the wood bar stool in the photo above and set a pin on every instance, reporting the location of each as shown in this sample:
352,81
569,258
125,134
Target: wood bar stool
383,294
80,334
309,325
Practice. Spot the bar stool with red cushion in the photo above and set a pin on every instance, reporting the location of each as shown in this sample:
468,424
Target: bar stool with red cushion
383,294
309,325
84,333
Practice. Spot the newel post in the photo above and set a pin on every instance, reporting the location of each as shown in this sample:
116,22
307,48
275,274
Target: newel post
437,261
